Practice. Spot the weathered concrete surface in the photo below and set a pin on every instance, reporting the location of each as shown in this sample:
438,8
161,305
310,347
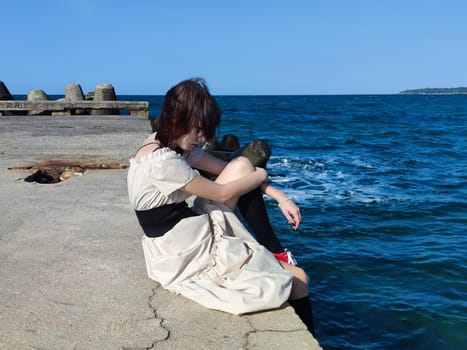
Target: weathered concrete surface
72,271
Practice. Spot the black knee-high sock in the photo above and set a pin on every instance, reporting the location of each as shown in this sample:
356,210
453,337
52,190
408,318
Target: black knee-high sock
254,211
303,309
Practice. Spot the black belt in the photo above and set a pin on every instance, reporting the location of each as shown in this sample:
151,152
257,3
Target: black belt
157,221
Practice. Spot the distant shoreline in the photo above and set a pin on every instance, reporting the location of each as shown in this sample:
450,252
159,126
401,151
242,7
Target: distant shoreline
436,91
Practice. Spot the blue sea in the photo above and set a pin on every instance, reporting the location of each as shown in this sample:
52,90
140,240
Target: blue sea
381,181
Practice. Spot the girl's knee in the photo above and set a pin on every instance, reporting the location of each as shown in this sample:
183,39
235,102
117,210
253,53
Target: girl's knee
298,273
299,283
242,164
235,169
301,275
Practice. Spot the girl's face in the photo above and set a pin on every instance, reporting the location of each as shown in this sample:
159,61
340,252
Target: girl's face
194,137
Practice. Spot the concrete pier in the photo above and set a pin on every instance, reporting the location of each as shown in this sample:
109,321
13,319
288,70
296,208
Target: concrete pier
72,270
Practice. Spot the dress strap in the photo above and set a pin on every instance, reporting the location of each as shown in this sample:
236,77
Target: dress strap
147,144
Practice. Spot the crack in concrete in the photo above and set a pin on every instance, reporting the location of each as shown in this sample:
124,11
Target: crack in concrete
247,334
256,331
161,323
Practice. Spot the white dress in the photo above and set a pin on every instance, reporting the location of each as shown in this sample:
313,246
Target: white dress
210,258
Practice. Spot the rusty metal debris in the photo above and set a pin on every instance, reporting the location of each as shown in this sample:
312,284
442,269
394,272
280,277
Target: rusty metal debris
53,171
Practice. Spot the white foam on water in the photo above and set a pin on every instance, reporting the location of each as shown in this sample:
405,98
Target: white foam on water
361,164
306,179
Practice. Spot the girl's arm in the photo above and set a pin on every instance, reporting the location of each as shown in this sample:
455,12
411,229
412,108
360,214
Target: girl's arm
286,205
209,163
205,188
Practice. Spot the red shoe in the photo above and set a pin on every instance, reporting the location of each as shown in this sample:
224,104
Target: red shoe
286,256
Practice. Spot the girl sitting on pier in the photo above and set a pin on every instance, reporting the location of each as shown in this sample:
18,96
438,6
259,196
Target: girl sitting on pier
203,251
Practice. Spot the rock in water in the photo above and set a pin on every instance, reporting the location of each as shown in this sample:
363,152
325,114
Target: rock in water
5,93
230,143
257,151
73,92
37,96
6,96
104,92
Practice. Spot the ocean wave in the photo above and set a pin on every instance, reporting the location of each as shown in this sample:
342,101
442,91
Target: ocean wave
306,179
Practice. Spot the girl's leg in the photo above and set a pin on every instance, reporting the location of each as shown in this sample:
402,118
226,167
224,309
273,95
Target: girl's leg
251,205
299,297
235,169
254,211
302,308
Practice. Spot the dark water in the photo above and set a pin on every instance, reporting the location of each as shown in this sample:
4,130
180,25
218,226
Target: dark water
382,185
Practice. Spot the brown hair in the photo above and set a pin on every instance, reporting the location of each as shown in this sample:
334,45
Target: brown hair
188,105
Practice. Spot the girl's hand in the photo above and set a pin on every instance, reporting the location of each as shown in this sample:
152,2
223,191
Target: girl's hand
291,212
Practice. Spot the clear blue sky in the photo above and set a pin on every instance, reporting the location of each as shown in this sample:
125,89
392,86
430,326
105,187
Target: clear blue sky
238,46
